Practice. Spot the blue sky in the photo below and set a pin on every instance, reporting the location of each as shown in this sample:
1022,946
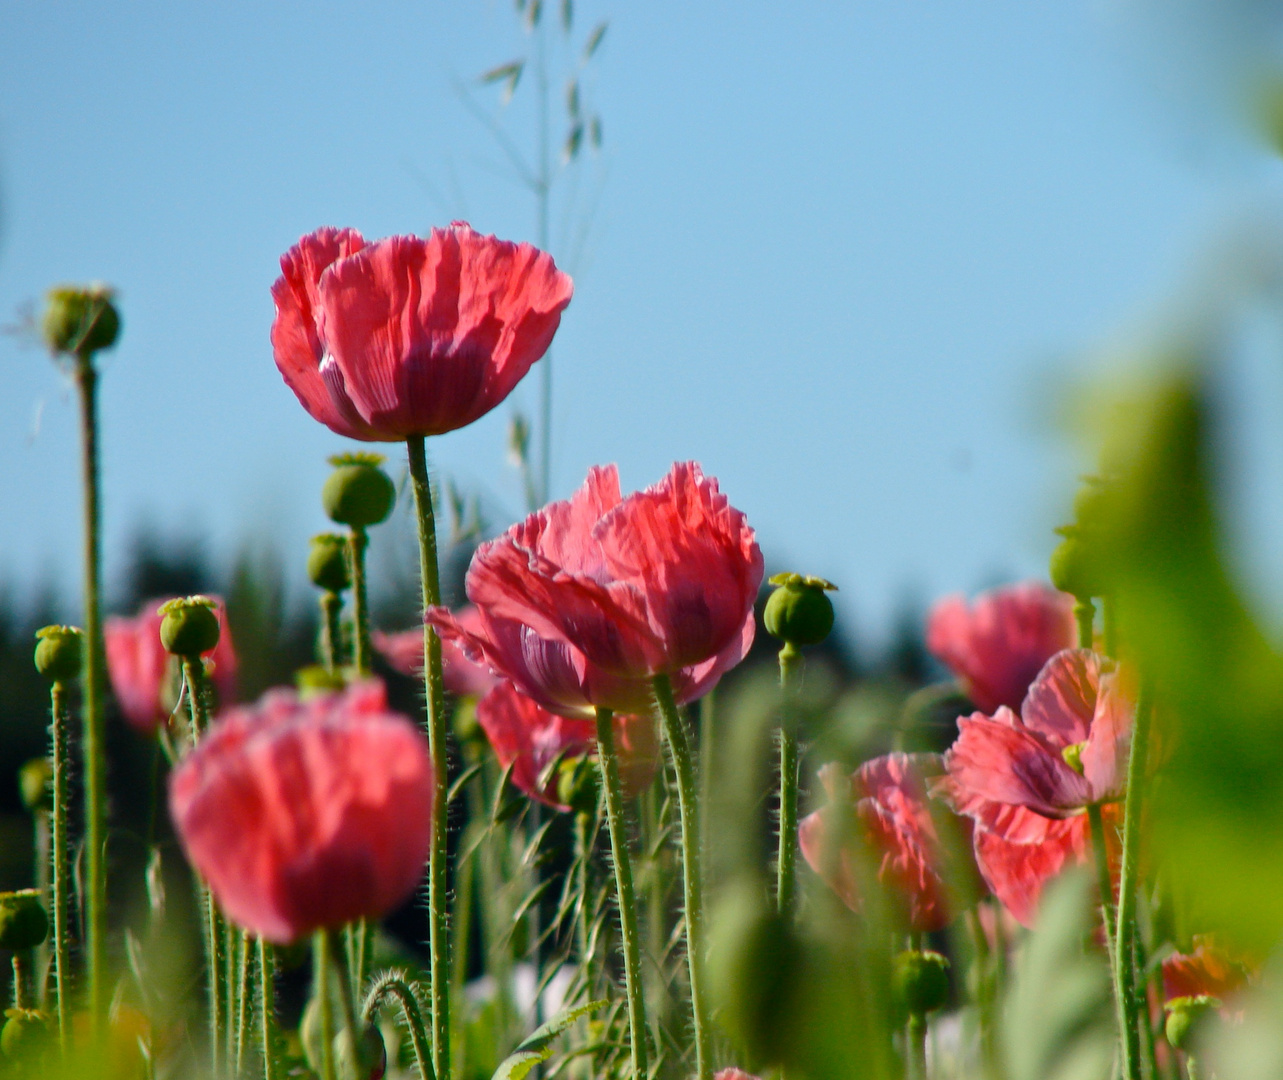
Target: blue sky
847,256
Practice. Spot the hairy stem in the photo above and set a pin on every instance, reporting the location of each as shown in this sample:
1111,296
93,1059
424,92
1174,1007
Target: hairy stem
358,542
1105,889
392,985
61,862
267,995
321,988
331,638
791,663
434,687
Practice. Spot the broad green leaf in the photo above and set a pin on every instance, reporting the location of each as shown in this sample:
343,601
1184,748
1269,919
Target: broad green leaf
537,1047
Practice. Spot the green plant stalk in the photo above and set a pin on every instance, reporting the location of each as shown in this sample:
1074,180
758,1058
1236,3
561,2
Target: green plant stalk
392,984
986,997
61,862
267,994
244,997
609,764
583,927
231,983
916,1047
434,687
1109,620
94,685
791,664
688,810
1097,822
1124,969
346,999
42,959
20,979
1085,616
321,988
358,542
331,602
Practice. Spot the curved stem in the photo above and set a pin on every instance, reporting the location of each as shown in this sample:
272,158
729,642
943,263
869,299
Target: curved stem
267,994
1124,969
94,684
791,663
358,542
688,810
392,984
609,765
330,636
61,863
434,686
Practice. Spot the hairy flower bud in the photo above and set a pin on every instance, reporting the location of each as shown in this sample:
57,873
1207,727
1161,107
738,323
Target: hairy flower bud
33,784
58,652
189,626
23,922
799,612
920,981
327,563
80,319
358,493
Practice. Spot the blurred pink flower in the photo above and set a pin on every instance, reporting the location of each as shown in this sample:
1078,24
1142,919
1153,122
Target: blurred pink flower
587,599
403,651
306,814
890,803
143,674
1208,970
407,336
998,644
528,737
733,1074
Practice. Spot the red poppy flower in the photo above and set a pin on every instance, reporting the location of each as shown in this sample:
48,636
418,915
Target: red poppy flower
306,814
144,677
403,651
998,645
1208,970
586,600
528,737
889,796
733,1074
407,336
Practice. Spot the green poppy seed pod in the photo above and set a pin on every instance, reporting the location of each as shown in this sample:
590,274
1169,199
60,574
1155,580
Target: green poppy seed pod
189,626
358,493
799,612
1183,1016
1075,568
23,922
34,780
920,981
327,563
80,319
577,784
58,651
25,1035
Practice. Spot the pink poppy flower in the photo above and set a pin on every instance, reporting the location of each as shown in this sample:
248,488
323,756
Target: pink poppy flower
1208,970
586,600
530,738
306,814
997,645
144,676
404,653
733,1074
889,796
406,336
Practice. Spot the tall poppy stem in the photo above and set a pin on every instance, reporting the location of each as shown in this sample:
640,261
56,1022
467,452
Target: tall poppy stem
916,1040
1097,822
61,864
434,686
790,679
1085,616
321,988
94,682
267,994
1124,968
358,543
688,810
331,637
609,764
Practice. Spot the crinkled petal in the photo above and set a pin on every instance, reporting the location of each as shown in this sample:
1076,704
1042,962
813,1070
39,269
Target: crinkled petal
1062,700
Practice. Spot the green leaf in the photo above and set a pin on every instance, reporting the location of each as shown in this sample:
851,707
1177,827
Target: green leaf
594,39
574,141
533,12
572,99
510,70
537,1047
567,14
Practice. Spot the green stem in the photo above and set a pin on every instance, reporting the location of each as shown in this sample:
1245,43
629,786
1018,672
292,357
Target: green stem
791,664
20,979
94,685
42,958
244,963
688,811
58,729
583,925
358,542
707,736
321,988
198,707
331,638
346,998
986,997
213,934
1124,969
1085,615
1109,618
609,764
1100,852
916,1047
392,984
438,899
267,994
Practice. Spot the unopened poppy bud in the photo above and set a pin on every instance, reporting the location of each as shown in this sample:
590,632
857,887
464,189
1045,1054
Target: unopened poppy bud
33,784
1183,1015
189,626
327,563
358,493
80,319
25,1034
921,981
577,784
799,612
58,652
370,1060
23,922
1075,568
